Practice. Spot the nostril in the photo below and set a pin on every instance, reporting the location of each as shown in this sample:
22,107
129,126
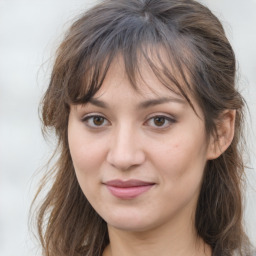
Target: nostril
125,148
125,159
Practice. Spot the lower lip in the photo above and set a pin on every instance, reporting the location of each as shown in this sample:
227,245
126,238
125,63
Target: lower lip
128,193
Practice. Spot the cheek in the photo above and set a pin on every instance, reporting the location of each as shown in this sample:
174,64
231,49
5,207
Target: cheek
86,154
181,167
86,160
182,158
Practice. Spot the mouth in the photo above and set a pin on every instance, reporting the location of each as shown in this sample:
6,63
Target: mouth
128,189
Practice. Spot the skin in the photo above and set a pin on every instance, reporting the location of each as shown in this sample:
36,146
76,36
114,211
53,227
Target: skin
127,142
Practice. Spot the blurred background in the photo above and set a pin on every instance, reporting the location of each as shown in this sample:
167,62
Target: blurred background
30,31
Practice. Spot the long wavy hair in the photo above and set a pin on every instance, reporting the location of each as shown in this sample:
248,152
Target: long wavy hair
203,66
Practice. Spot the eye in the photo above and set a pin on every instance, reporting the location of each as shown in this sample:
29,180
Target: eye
95,121
160,121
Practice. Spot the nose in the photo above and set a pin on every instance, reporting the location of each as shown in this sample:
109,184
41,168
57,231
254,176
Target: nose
125,150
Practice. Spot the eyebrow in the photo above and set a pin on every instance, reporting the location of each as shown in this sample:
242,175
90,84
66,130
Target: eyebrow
98,103
144,104
154,102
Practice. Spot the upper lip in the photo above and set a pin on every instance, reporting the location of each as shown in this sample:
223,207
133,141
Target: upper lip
128,183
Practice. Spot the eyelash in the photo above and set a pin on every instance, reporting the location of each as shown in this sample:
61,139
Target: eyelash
89,118
167,121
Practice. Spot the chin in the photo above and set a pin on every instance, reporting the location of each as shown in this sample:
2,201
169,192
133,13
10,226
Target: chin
131,226
131,222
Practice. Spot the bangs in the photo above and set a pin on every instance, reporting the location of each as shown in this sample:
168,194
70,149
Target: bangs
165,51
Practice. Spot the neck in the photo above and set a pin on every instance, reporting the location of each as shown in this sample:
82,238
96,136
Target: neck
179,240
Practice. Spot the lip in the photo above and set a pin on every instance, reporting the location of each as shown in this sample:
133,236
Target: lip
128,189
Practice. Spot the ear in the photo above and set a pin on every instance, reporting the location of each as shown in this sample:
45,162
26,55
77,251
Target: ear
225,128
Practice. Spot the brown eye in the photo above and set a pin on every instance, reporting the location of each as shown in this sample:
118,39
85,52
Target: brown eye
98,120
159,121
95,121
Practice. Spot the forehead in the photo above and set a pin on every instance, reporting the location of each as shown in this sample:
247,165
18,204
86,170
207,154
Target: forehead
145,82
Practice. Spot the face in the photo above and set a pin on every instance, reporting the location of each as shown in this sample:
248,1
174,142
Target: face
139,156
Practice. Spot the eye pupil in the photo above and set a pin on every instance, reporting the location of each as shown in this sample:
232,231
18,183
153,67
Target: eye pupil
159,121
98,120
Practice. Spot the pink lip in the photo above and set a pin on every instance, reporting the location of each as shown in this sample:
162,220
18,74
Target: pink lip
128,189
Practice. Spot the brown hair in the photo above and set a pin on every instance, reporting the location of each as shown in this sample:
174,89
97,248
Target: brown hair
197,49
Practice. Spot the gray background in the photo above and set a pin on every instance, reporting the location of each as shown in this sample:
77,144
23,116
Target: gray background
30,31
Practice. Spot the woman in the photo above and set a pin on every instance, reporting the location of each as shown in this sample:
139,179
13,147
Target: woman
143,101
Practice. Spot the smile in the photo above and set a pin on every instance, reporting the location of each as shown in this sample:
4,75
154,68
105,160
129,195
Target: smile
128,189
